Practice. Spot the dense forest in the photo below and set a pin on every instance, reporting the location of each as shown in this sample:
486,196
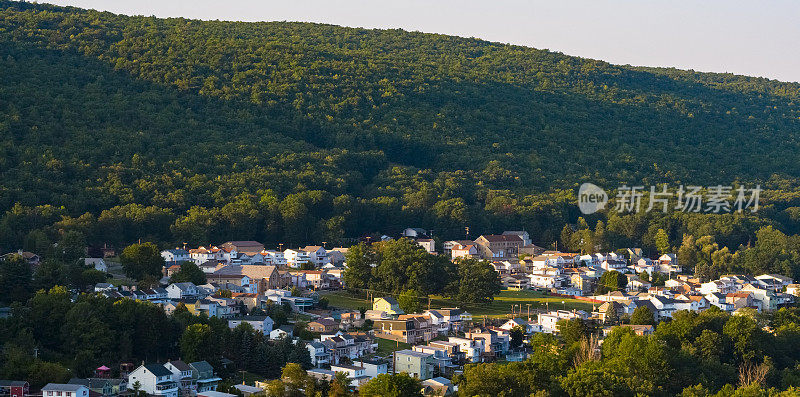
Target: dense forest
119,128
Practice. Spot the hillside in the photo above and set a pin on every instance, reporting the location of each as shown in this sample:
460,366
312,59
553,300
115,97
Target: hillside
182,130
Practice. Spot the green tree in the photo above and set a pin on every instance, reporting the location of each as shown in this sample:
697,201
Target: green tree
189,272
359,267
477,282
140,260
642,315
409,301
397,385
196,343
662,242
611,281
15,279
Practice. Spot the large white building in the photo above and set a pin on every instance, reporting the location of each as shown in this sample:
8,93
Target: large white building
153,379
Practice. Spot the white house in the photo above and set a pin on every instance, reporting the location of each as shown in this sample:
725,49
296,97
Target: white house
355,374
261,324
319,353
97,263
427,244
64,390
182,375
548,321
668,263
296,257
318,254
775,282
153,379
182,291
176,255
372,368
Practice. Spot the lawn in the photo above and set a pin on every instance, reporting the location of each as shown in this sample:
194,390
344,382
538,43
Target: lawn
386,347
499,308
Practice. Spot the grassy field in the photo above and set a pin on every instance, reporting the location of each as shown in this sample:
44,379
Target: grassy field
386,347
500,307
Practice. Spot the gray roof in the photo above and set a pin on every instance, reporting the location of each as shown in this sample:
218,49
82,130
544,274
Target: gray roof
202,366
412,353
158,369
62,387
180,365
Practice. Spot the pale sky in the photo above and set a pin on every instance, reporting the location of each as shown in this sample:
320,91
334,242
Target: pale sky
756,38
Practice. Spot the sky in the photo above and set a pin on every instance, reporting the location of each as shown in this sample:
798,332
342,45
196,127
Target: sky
755,38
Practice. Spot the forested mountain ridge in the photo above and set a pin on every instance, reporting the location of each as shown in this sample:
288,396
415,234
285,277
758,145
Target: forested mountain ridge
185,130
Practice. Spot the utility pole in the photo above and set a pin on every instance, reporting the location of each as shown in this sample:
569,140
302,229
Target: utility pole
529,312
466,228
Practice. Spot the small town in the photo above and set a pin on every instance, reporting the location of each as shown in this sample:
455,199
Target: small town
301,296
315,198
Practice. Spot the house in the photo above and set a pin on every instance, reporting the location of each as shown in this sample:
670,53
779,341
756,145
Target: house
668,263
356,374
495,340
439,325
527,326
319,353
261,324
318,254
547,321
323,325
104,287
214,393
176,255
29,257
523,235
100,386
718,286
739,299
182,375
350,319
397,330
764,298
387,304
243,246
296,258
614,264
516,282
531,250
634,254
441,357
284,331
249,390
793,289
416,364
427,244
494,246
97,263
372,368
719,300
637,284
472,350
423,331
14,388
414,232
204,377
185,290
437,386
64,390
153,379
776,282
264,277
